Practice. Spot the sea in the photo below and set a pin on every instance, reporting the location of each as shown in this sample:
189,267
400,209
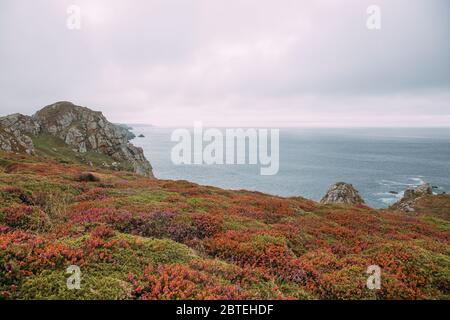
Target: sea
380,162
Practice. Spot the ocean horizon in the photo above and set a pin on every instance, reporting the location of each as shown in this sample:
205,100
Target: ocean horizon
380,162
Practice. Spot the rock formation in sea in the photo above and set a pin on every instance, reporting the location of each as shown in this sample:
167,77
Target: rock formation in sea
342,192
410,197
81,128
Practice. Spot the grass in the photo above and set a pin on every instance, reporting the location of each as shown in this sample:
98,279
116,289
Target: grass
49,146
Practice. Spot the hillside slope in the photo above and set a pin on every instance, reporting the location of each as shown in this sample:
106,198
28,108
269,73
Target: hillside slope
140,238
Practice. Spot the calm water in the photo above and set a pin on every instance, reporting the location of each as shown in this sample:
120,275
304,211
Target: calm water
375,161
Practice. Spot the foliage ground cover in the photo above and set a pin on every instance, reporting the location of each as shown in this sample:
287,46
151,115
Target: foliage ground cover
137,238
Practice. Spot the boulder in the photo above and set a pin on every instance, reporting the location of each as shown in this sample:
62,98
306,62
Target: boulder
88,177
423,190
342,192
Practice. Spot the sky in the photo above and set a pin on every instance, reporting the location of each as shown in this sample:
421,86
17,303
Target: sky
231,62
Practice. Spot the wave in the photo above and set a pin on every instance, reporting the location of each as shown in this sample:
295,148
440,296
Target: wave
388,201
417,182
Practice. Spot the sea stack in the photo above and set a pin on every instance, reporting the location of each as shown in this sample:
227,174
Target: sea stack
342,193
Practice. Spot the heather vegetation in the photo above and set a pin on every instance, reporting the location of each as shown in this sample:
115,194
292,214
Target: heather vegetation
140,238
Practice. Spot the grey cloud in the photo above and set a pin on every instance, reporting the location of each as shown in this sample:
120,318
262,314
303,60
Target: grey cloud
167,61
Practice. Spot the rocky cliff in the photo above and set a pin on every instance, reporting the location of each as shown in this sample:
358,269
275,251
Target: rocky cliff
342,192
81,128
411,196
15,132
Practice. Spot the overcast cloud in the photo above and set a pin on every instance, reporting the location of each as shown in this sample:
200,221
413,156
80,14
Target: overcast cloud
231,62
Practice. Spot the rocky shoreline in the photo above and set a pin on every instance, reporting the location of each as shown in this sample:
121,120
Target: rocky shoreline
345,193
86,130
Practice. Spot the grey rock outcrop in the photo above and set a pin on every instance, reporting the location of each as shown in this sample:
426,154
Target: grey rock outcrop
410,197
342,192
15,131
83,129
